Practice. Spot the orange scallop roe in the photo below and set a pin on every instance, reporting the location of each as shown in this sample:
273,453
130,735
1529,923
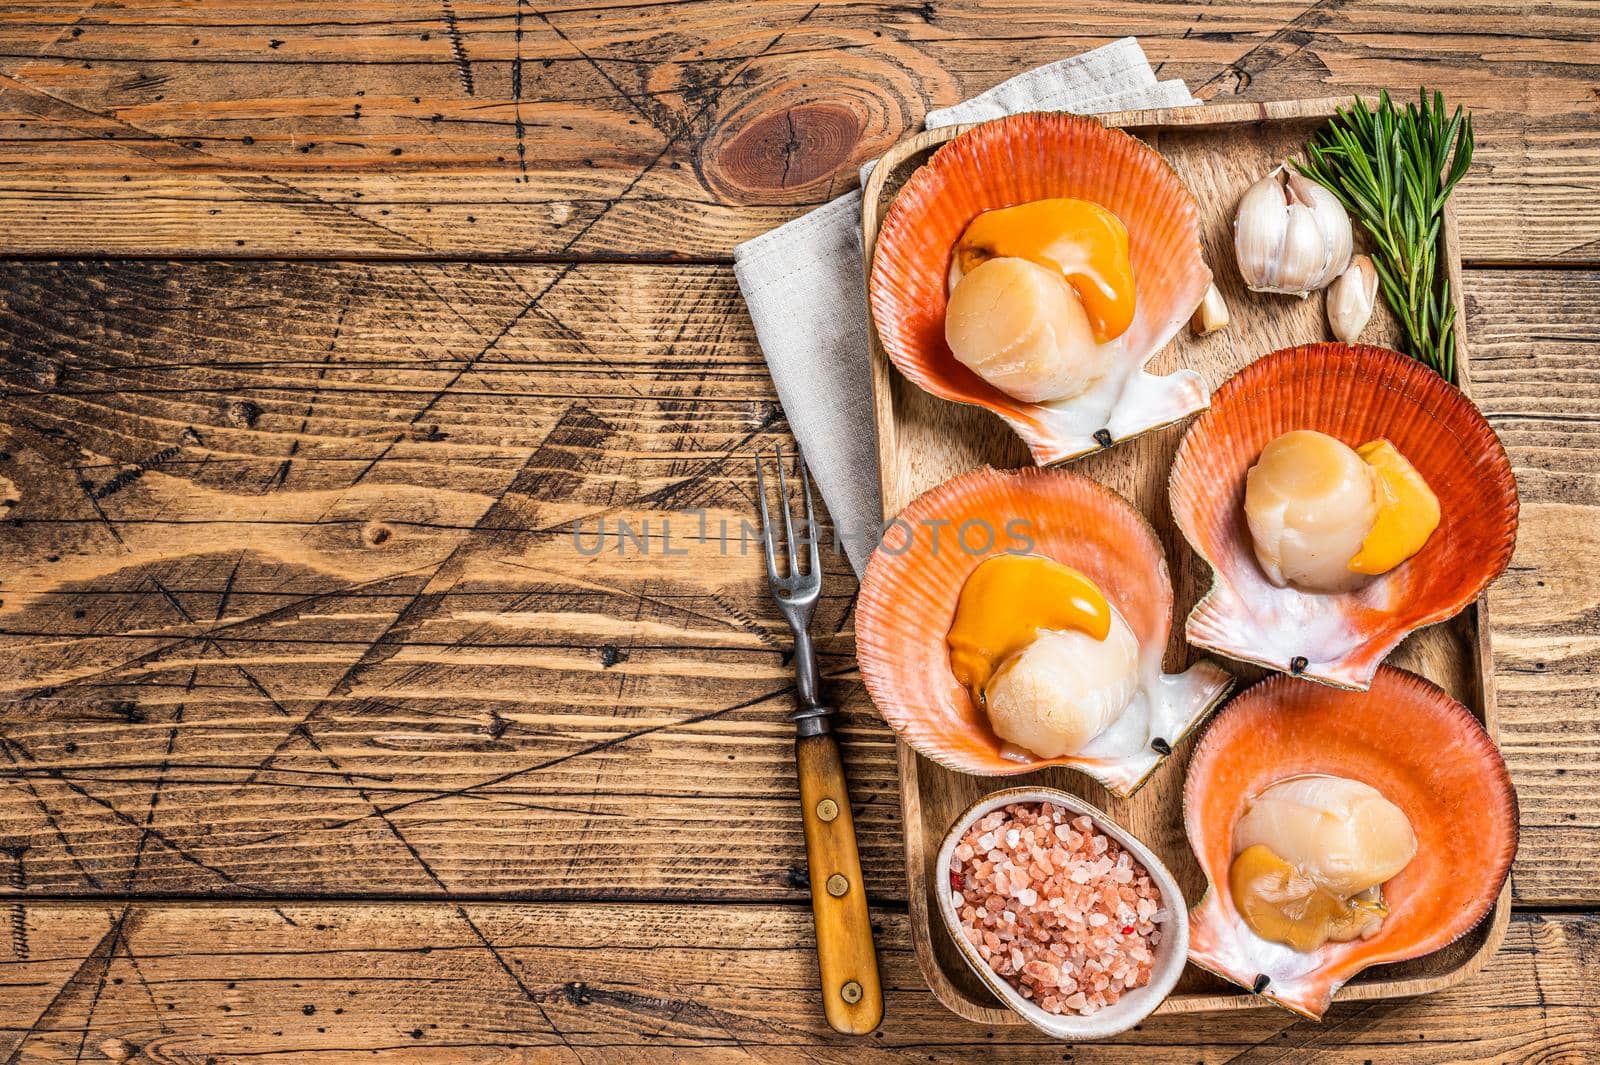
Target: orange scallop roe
1056,907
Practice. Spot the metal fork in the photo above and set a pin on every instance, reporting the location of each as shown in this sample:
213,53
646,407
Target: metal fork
852,996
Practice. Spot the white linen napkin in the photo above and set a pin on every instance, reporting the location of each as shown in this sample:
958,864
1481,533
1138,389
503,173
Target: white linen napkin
806,288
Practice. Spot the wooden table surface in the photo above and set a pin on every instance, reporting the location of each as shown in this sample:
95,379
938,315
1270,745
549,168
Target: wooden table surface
324,323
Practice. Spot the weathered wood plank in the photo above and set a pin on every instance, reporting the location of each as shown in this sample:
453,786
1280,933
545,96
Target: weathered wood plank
498,982
372,128
1536,341
305,615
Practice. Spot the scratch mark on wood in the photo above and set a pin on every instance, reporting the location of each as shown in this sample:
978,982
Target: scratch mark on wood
287,610
126,477
256,188
6,746
13,747
316,391
516,95
17,880
548,763
672,141
100,982
93,967
594,64
424,600
379,457
458,47
1297,33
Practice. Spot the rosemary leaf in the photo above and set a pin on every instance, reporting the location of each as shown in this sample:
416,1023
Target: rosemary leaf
1393,169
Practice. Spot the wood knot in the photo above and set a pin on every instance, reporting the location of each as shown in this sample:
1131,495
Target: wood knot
43,373
118,1049
783,150
376,534
242,412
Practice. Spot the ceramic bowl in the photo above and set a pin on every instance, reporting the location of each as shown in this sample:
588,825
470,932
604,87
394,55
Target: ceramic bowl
1170,953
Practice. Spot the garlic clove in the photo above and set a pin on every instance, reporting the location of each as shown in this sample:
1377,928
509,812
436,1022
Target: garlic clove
1351,299
1259,227
1305,252
1290,235
1331,220
1211,315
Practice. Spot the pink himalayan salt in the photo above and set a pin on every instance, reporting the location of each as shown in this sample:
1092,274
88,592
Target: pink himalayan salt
1056,907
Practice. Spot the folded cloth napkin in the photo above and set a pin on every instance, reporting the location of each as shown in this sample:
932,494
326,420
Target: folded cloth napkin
806,288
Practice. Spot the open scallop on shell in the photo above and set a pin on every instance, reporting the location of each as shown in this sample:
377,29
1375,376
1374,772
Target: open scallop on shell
1017,160
1355,393
1422,750
910,591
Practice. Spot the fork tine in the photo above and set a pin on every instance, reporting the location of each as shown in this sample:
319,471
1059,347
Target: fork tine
812,533
766,524
788,517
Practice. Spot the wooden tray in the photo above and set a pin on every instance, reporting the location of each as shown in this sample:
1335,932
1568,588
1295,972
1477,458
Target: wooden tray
923,441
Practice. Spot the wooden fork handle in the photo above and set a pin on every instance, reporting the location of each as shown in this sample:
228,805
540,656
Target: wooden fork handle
852,996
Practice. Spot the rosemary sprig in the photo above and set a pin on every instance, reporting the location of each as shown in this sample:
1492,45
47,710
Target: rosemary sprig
1393,170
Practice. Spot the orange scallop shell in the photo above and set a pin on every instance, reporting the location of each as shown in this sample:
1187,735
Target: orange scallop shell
1017,160
1406,737
1355,393
914,579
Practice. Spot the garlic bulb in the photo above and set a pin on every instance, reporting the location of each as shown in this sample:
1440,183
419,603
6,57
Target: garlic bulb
1351,298
1290,235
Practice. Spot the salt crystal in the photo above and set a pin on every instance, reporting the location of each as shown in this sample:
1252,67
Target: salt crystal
1028,896
1013,837
1097,919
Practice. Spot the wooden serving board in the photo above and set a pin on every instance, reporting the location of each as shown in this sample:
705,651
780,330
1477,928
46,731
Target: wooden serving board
923,441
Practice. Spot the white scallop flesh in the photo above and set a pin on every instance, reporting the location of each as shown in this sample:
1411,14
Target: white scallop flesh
1341,833
1022,328
1065,688
1310,501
